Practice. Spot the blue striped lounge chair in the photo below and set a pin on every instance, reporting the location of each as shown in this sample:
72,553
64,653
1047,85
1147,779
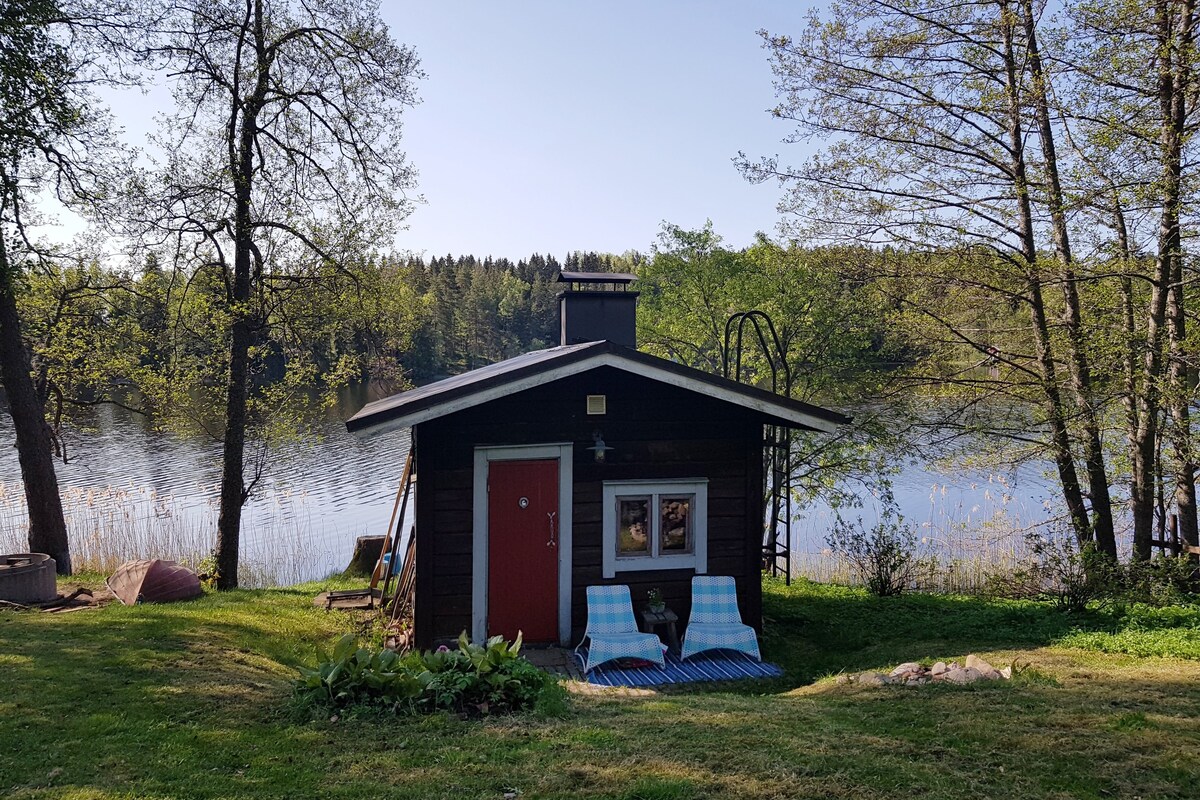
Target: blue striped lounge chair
715,622
612,631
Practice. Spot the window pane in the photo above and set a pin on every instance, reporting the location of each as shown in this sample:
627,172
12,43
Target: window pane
676,527
633,526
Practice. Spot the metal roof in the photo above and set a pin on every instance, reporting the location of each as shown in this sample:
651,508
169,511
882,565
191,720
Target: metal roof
544,366
596,277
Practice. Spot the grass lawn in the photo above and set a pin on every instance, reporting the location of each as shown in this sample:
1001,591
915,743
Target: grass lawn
192,700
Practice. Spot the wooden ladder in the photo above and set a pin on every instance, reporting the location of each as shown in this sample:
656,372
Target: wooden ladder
406,584
397,593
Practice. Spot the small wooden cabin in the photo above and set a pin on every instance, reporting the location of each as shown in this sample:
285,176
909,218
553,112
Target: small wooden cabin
587,463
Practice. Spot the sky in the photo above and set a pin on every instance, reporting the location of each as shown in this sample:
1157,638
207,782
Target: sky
558,126
549,127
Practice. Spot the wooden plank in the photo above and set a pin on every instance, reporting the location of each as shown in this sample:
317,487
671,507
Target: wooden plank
449,520
727,565
751,585
455,565
724,548
587,513
451,500
453,544
458,480
377,573
424,579
453,586
727,507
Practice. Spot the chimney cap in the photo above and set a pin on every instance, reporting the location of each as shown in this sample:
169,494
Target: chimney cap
621,278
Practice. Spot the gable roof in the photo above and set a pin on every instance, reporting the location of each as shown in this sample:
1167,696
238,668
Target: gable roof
544,366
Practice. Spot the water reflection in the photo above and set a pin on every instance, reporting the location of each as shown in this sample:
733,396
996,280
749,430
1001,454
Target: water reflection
123,479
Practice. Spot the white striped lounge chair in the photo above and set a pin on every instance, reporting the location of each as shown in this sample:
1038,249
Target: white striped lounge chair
715,622
612,631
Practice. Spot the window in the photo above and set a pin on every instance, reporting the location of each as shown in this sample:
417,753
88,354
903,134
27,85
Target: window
655,525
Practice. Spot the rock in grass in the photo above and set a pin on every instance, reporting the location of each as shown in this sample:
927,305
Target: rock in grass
873,679
939,668
907,668
986,670
963,675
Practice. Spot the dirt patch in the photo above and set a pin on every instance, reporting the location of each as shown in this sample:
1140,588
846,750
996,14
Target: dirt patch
71,597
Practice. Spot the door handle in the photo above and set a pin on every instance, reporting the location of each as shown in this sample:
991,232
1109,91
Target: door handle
552,542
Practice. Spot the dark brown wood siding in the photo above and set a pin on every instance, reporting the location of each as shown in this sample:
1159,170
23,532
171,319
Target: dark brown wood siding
657,432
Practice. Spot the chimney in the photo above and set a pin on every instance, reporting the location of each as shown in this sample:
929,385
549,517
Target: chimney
596,306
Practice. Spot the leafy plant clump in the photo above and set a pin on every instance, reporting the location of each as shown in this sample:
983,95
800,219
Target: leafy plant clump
491,678
885,557
1060,571
1073,576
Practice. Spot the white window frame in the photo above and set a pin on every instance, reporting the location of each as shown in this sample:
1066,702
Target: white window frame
697,559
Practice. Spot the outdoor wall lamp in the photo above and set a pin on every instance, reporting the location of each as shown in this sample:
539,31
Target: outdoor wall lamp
599,448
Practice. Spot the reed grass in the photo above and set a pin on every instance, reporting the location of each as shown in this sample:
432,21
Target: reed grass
111,525
969,541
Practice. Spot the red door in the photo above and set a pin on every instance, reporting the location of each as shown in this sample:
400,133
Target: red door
523,549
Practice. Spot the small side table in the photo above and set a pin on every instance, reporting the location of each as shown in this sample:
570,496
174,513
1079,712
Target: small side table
654,619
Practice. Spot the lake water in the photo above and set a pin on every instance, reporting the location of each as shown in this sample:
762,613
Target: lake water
131,492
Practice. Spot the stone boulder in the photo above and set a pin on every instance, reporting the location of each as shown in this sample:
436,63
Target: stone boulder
906,669
985,669
873,679
911,673
962,675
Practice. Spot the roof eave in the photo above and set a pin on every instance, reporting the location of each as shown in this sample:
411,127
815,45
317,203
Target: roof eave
776,410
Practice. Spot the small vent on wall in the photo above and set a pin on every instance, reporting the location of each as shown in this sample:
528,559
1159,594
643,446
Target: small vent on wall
597,404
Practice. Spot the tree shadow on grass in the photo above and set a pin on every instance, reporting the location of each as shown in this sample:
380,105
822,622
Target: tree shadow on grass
1098,732
184,701
813,630
149,695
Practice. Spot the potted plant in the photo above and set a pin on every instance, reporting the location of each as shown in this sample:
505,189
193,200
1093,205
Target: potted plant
657,604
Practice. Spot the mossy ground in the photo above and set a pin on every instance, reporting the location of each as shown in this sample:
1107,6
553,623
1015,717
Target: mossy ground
194,700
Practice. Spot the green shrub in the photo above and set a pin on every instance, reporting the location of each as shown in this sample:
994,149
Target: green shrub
1058,569
476,679
1055,568
884,558
1141,630
1162,581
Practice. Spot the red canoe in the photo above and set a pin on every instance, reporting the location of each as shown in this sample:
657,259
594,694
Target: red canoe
153,581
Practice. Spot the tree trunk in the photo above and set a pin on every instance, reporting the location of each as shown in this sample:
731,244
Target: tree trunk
242,151
233,486
1060,441
1178,383
1170,144
1181,433
1142,452
47,529
1077,363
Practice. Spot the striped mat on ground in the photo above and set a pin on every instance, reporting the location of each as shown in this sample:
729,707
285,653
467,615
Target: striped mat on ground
714,665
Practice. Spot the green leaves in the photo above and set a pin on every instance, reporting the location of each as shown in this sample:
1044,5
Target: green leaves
488,678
